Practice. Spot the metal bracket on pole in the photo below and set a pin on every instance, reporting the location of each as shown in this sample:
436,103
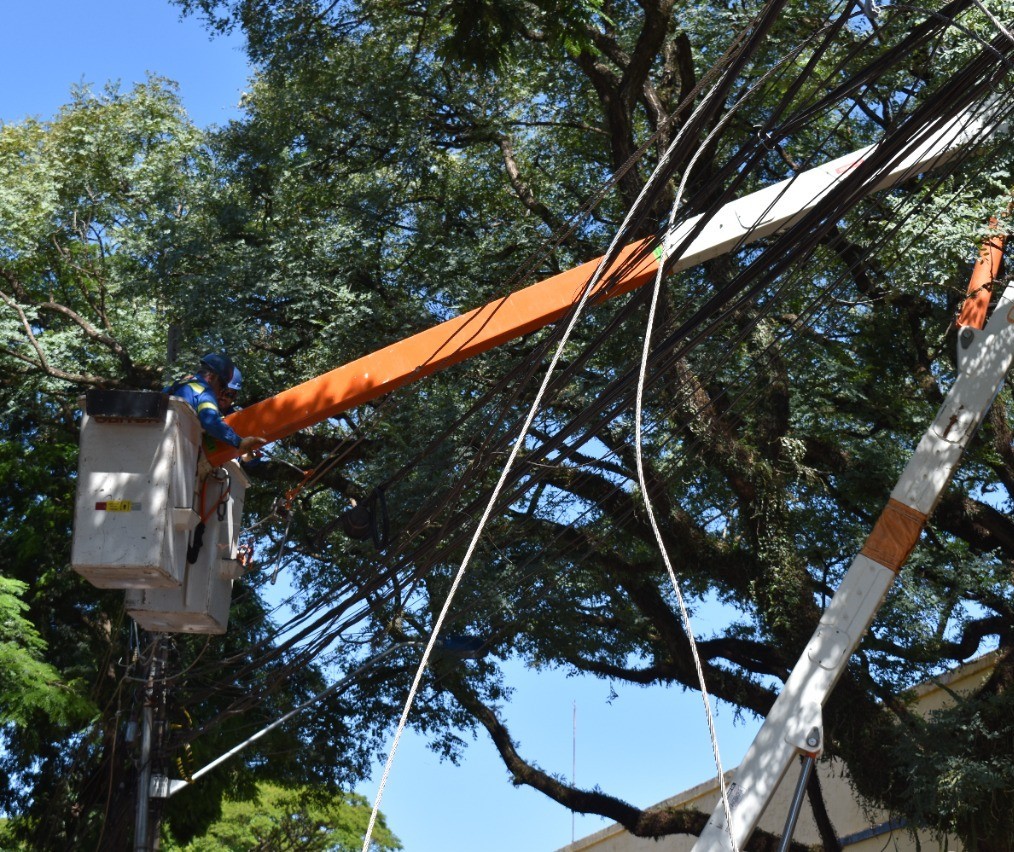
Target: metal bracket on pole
163,787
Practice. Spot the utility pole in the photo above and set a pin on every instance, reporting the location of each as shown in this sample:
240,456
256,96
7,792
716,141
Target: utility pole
143,827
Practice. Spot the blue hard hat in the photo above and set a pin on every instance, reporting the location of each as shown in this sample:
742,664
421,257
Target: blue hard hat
222,367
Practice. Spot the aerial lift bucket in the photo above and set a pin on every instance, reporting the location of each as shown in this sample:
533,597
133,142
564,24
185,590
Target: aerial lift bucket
136,468
135,517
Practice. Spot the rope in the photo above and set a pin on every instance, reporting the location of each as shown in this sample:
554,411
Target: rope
994,21
639,458
518,443
221,476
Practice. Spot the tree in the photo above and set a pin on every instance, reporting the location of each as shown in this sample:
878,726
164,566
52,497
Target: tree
278,818
28,685
771,445
106,241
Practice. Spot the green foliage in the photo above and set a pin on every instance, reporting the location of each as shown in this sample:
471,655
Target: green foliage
7,839
959,775
396,163
102,235
29,685
115,224
276,817
491,33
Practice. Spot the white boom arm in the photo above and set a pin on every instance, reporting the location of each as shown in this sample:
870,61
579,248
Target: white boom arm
793,727
776,207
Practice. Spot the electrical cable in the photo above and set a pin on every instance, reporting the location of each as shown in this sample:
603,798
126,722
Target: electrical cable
757,27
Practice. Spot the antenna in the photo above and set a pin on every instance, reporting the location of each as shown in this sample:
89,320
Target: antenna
573,764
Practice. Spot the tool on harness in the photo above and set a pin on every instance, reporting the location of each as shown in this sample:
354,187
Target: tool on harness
218,507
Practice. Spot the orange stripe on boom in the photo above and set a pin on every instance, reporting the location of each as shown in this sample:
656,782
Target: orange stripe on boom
980,286
894,535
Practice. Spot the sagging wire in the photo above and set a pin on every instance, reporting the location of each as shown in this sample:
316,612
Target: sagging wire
639,457
692,94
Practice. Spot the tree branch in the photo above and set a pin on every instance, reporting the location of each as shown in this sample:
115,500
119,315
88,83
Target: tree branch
41,361
521,188
110,343
814,792
659,821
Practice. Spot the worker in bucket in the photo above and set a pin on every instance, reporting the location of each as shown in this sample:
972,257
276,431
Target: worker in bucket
211,389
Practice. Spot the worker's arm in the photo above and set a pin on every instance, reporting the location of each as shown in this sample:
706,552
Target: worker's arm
212,423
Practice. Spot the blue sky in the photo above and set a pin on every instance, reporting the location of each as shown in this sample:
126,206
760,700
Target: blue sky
52,45
640,744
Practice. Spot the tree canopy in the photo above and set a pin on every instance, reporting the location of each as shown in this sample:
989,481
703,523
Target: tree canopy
400,161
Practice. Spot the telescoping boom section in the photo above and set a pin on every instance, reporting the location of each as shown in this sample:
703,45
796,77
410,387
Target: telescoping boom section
199,521
793,727
738,223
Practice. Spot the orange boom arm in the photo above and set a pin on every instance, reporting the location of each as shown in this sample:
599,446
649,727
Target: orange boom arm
448,343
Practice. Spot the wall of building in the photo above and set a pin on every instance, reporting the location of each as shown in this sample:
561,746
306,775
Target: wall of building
859,828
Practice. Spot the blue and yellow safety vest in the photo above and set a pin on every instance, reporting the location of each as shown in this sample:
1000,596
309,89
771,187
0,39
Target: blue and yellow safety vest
196,392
